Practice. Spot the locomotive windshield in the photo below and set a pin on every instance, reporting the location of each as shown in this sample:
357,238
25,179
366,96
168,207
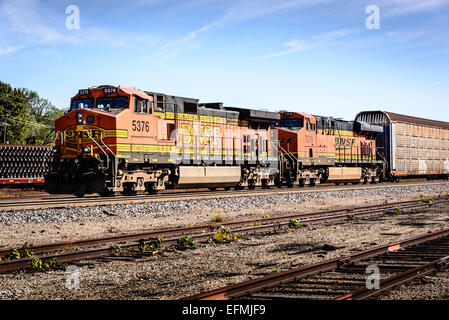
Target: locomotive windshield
83,104
112,103
292,123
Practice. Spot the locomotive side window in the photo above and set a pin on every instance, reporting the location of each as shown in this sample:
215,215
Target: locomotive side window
292,123
82,104
112,103
310,126
140,105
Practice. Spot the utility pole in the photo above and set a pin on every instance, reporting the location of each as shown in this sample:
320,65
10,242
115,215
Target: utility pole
5,124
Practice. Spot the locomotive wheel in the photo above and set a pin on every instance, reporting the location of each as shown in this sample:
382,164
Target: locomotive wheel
227,188
251,187
152,191
312,183
265,184
106,193
128,190
212,189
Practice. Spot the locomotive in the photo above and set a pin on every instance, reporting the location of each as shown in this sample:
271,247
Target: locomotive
120,139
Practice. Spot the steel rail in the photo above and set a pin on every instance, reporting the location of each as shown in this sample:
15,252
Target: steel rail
20,264
387,284
314,217
8,205
258,284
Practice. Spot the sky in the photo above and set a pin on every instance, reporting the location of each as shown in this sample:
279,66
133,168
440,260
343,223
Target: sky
323,57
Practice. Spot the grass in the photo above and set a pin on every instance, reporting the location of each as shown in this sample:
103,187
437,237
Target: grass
218,217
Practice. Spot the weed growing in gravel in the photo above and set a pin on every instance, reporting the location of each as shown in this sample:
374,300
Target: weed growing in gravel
151,246
225,235
217,218
294,223
398,209
17,254
427,200
266,216
185,241
115,250
38,264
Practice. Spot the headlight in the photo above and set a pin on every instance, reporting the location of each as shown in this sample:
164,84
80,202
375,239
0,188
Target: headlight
87,149
79,117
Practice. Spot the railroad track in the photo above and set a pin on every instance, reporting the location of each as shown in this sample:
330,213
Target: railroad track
101,247
65,202
347,277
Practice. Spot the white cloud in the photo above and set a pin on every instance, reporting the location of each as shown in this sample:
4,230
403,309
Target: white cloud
9,49
29,22
247,10
405,7
317,41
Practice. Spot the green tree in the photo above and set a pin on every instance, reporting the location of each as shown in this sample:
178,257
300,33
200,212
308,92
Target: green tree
13,109
43,114
28,118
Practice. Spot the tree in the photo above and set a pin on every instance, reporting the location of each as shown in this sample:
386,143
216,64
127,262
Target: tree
30,119
13,108
44,114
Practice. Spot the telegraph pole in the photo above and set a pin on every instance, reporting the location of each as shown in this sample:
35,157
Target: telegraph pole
5,124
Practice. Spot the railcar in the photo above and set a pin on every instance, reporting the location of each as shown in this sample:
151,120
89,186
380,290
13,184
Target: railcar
319,149
119,139
411,146
24,165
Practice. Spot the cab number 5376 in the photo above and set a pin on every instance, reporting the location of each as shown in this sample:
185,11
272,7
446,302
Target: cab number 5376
141,126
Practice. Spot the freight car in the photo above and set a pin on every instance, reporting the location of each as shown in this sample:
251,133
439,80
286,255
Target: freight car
24,164
119,139
410,146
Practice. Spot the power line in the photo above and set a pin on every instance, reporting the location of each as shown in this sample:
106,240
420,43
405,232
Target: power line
29,122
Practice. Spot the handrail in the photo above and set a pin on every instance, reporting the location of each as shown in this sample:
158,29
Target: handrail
107,158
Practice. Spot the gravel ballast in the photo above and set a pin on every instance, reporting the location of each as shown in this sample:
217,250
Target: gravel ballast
171,275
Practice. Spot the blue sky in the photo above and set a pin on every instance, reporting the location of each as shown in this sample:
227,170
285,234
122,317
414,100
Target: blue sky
314,56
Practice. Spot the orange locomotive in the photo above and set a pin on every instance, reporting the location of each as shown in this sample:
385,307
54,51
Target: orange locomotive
119,139
322,149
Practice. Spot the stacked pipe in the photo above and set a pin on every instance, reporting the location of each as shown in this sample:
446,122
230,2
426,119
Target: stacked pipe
22,161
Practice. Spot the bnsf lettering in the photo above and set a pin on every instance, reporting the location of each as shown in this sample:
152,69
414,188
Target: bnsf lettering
203,132
347,142
141,126
94,134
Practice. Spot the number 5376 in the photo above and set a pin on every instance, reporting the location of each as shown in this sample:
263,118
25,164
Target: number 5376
141,126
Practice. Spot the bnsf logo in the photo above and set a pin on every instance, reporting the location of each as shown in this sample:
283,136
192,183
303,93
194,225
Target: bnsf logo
347,142
94,134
